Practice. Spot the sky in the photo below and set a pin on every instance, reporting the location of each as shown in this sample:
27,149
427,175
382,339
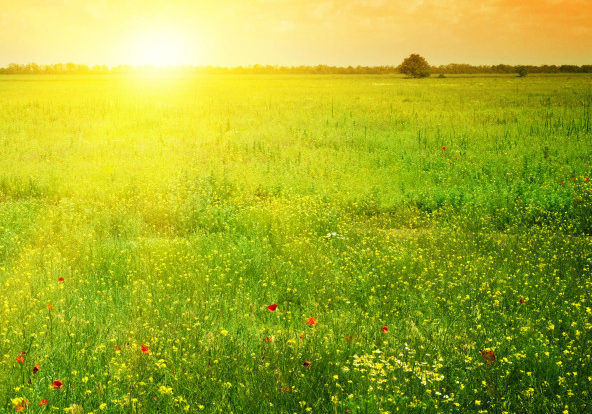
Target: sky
295,32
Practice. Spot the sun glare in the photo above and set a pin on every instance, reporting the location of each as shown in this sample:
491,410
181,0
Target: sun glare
163,48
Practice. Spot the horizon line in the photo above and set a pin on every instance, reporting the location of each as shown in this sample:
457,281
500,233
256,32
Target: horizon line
278,65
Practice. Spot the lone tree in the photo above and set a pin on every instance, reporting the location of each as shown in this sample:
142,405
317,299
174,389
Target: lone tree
415,66
522,71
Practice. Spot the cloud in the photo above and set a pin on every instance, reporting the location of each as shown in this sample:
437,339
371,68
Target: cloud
314,31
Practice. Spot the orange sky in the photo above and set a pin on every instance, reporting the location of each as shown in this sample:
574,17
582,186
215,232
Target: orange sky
336,32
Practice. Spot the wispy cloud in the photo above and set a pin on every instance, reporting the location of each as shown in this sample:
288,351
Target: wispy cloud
306,31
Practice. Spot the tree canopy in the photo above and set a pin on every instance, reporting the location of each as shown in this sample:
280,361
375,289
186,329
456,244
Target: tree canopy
415,66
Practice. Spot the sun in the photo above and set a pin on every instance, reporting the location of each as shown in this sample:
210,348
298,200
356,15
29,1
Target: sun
160,48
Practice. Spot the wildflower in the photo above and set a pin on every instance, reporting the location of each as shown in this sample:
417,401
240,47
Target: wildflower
20,404
272,308
36,369
521,300
60,279
145,349
311,321
385,329
443,148
348,338
268,339
165,390
57,384
75,409
50,307
488,356
285,389
20,359
43,402
306,364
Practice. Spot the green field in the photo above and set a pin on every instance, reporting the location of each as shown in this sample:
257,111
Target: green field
455,212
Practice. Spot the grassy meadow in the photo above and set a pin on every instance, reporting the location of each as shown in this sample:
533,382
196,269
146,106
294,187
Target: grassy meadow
428,244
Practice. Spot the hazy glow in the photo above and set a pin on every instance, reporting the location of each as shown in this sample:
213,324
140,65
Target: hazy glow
292,32
158,48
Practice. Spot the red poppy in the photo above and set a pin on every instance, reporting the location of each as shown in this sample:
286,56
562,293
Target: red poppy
450,163
488,356
268,339
57,384
60,279
587,179
348,338
272,307
20,359
117,347
43,402
22,405
306,364
443,148
385,329
562,183
50,307
311,321
521,300
145,349
285,389
36,369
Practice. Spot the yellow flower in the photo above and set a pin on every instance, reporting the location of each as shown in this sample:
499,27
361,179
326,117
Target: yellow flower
165,390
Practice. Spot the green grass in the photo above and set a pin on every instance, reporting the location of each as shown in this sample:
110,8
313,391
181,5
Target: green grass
176,209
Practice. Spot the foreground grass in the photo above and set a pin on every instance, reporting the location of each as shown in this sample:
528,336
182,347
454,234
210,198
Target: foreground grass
437,232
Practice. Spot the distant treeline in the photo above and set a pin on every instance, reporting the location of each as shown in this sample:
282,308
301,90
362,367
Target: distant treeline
452,68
